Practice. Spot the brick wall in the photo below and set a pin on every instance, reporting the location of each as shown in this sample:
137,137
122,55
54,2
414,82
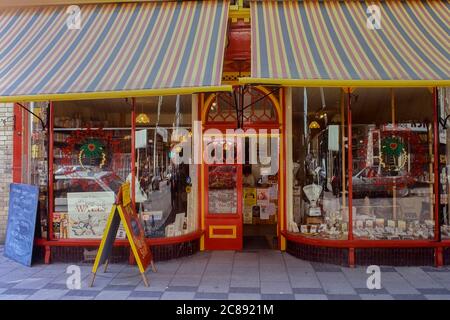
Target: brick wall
6,151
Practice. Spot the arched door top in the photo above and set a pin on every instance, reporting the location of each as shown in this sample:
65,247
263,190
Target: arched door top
257,106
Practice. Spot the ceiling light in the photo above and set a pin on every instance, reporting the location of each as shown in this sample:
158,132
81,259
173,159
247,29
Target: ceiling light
314,125
142,118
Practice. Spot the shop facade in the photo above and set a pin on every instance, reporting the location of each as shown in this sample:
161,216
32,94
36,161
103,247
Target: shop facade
282,127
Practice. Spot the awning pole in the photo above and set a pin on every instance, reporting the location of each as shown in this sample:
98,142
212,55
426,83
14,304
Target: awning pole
350,165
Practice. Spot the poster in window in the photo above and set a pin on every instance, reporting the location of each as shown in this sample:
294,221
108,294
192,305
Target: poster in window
249,197
262,196
88,213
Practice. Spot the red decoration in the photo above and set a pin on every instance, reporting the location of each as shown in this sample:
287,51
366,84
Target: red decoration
80,137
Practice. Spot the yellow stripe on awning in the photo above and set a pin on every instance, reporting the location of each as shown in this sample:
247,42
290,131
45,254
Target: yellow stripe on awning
120,50
331,43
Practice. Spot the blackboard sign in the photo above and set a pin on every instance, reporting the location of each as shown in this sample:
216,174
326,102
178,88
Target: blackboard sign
109,236
23,202
122,211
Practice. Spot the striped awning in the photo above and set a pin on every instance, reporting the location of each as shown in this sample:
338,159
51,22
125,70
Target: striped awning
328,43
121,50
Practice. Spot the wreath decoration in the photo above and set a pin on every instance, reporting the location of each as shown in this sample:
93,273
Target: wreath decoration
90,150
393,151
87,145
392,146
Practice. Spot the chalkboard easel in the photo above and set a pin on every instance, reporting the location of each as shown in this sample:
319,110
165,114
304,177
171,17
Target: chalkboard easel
122,211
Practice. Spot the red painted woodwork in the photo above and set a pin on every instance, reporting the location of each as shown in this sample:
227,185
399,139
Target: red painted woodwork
238,48
51,200
17,145
360,243
350,166
118,243
437,227
439,255
225,118
224,231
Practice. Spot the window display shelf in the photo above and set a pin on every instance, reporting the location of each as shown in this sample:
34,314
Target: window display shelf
96,242
363,243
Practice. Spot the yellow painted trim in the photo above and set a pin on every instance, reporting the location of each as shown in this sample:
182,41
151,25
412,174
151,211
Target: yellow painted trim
275,101
282,193
237,11
105,235
348,90
222,236
205,106
113,94
202,176
345,83
240,14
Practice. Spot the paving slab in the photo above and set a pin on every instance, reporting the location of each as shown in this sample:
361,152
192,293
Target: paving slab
311,297
113,295
244,296
418,278
395,284
48,294
335,283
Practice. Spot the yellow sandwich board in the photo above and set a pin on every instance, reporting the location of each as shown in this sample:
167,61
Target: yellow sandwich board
122,211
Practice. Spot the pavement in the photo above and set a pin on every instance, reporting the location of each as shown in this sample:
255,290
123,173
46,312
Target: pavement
224,275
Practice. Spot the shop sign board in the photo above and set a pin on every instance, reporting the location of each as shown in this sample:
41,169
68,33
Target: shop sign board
23,204
122,211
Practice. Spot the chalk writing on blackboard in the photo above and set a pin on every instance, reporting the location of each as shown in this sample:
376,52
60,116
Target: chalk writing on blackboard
23,202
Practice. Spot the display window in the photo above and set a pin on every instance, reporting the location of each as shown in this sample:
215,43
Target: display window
165,175
92,159
392,164
93,156
319,136
444,162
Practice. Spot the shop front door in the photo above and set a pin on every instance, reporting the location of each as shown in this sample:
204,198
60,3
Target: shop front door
223,207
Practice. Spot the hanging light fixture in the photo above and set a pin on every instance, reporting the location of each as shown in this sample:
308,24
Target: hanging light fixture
314,125
142,118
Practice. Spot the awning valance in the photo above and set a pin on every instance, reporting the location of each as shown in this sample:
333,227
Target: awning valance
121,50
328,43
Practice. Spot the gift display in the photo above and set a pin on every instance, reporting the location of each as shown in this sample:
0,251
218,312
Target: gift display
393,230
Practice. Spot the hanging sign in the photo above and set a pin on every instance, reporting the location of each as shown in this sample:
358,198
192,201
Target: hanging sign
23,202
123,211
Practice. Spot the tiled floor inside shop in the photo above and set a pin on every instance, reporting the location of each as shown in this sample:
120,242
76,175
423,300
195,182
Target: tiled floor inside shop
264,274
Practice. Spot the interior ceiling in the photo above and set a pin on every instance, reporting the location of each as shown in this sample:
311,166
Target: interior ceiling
147,104
370,105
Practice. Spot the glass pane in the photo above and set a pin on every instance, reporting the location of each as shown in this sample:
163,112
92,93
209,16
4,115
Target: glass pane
444,163
393,196
39,159
222,189
92,159
319,164
164,177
